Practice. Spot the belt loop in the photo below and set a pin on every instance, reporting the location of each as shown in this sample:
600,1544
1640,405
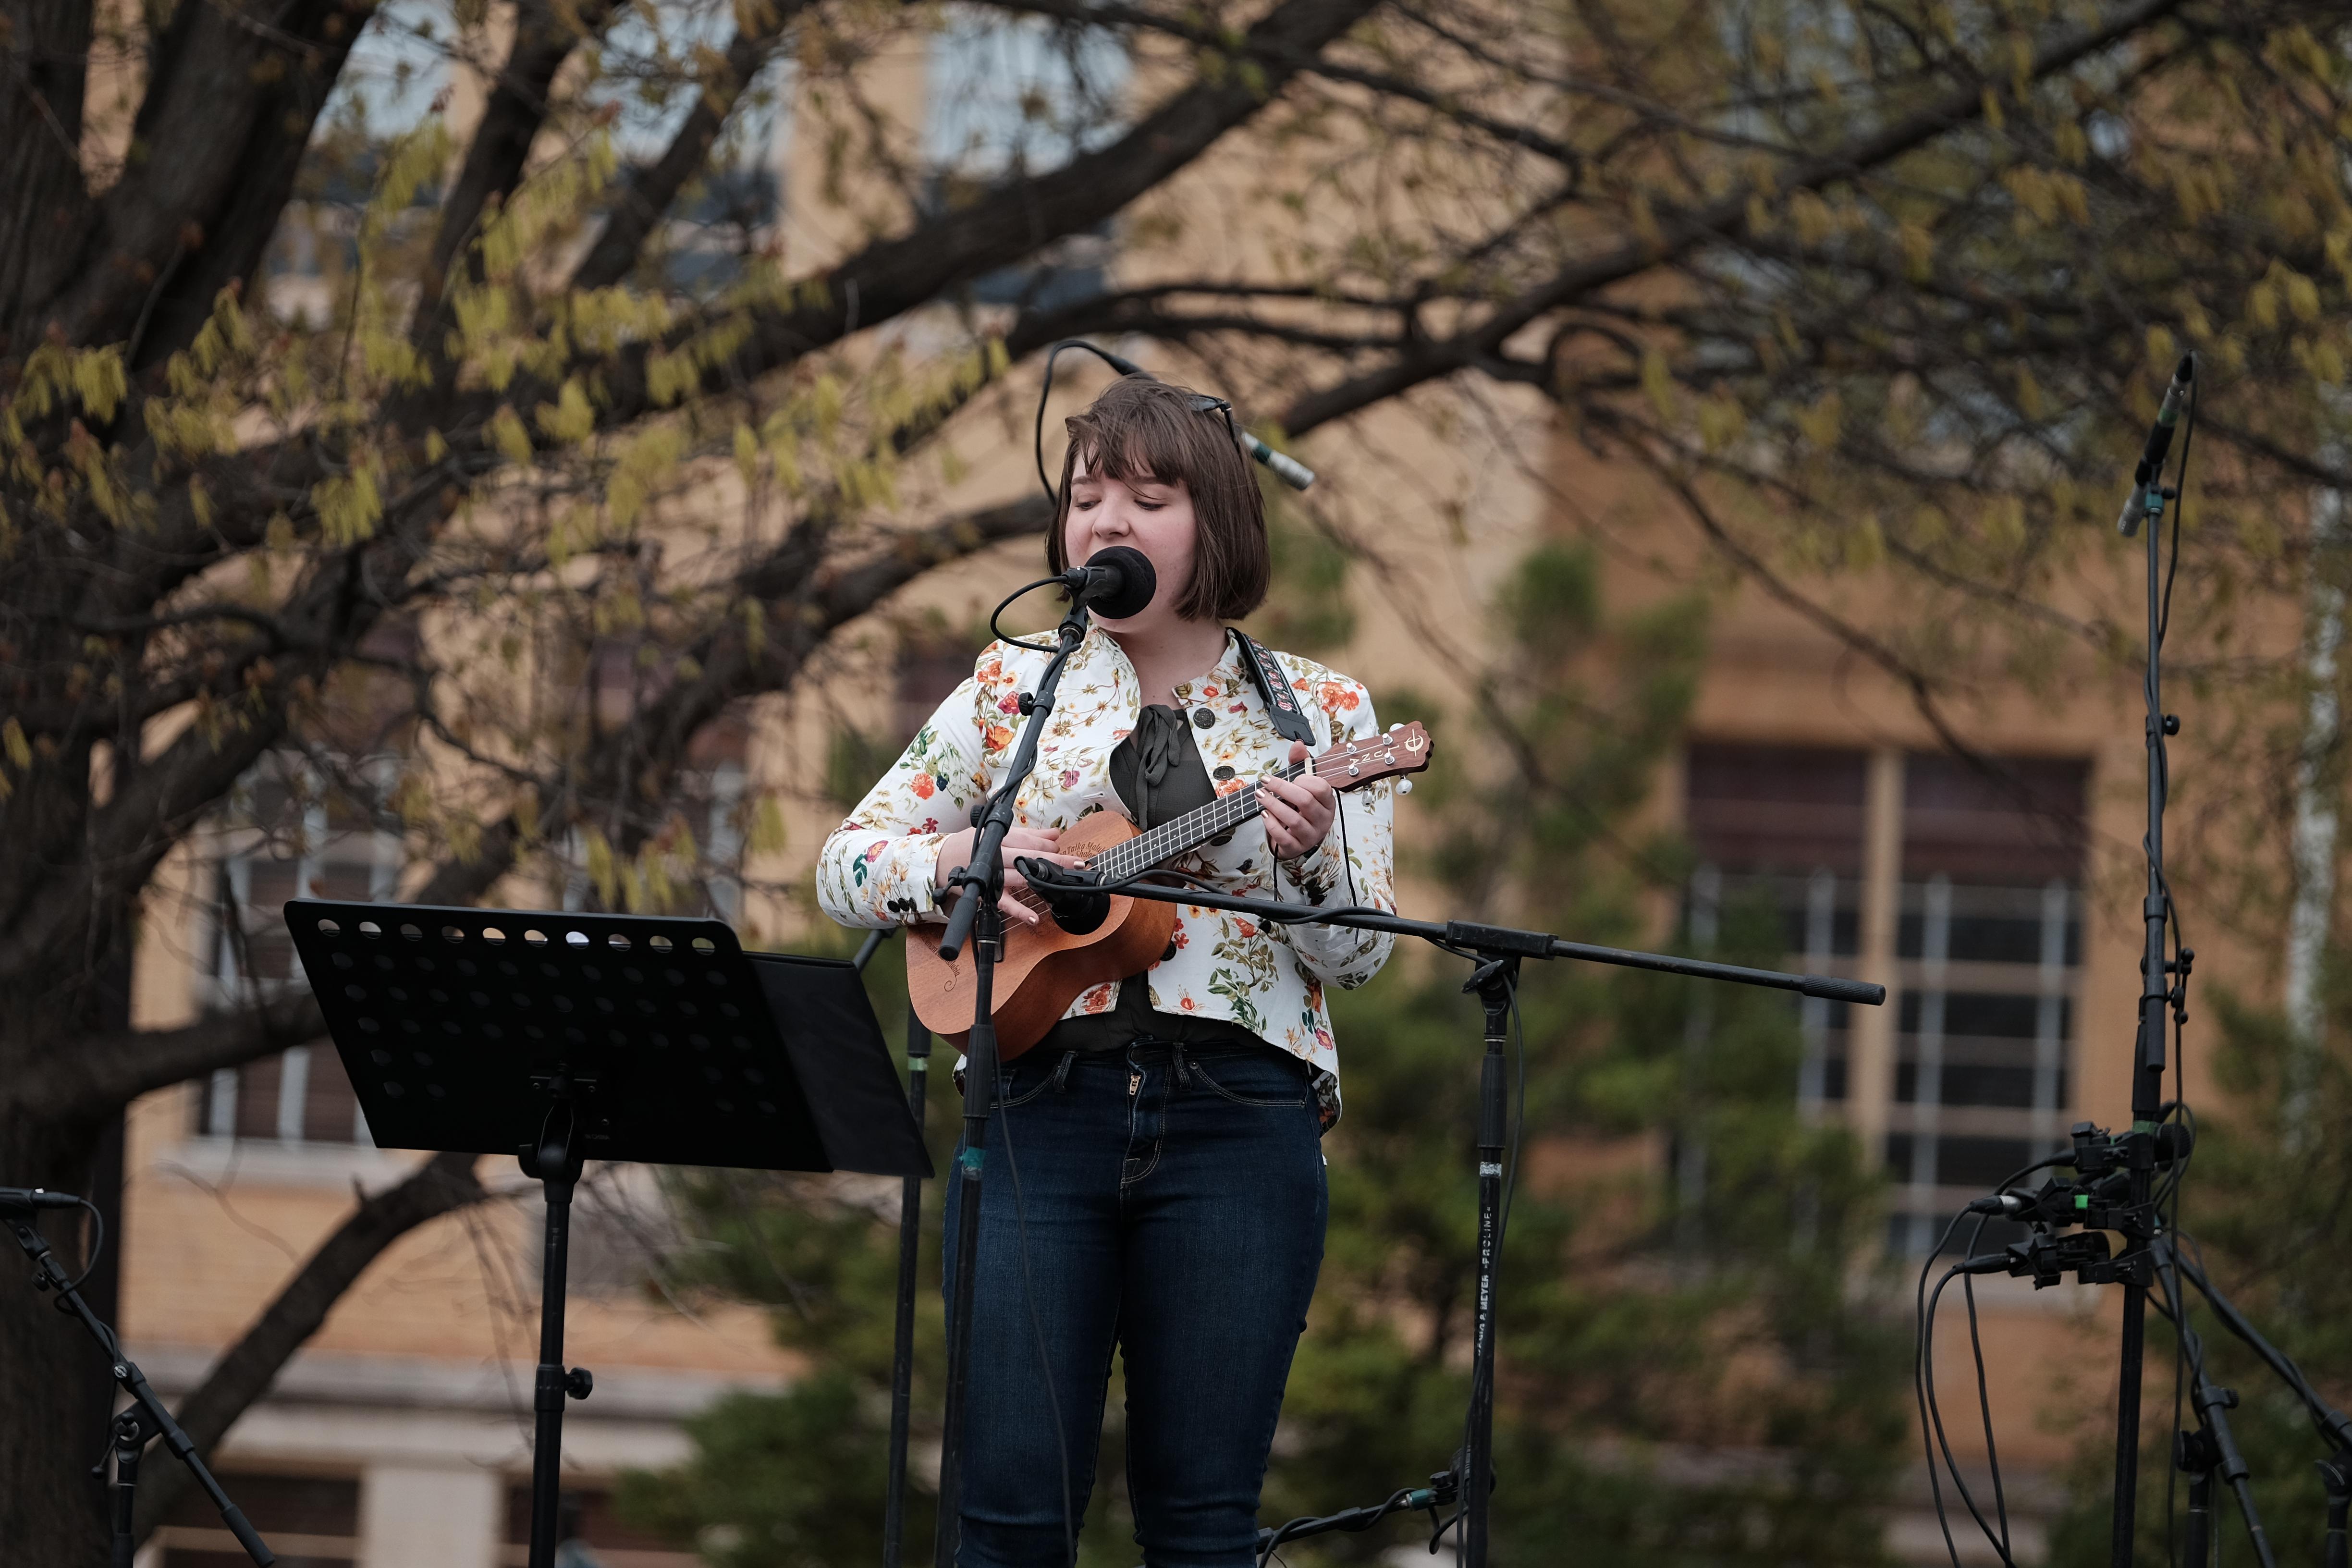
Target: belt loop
1184,1069
1062,1072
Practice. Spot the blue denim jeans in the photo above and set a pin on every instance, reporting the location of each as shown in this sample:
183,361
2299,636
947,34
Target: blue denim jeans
1175,1203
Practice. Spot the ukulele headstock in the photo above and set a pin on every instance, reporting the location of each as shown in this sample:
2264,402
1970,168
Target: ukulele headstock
1405,748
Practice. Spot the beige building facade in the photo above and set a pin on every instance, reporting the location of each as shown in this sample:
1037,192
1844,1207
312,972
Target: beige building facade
2004,922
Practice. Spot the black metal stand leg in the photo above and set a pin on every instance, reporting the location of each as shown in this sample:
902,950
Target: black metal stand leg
1493,982
2194,1454
2336,1476
131,1435
979,1100
902,1363
556,1164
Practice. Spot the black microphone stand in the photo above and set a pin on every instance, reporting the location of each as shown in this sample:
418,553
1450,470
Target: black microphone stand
146,1419
977,919
1499,951
2157,993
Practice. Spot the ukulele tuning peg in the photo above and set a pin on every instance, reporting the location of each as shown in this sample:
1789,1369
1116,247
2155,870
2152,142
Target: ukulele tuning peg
1394,728
1404,786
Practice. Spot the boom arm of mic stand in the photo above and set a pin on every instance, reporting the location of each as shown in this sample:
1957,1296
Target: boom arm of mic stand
133,1382
1499,940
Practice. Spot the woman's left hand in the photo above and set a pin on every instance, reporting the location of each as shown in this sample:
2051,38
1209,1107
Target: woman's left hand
1298,811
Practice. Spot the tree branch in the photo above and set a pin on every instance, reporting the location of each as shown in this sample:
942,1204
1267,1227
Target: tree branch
655,741
650,192
545,35
1678,233
224,126
104,1071
442,1184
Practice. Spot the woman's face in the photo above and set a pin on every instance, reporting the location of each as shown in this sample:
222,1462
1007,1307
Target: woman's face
1154,515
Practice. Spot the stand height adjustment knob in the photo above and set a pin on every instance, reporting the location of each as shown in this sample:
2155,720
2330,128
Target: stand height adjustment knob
579,1382
2172,723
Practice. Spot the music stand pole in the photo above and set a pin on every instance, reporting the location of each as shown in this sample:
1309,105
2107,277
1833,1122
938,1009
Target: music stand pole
555,1163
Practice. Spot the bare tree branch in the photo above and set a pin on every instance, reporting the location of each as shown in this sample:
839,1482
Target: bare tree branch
655,741
107,1070
654,187
442,1184
545,37
1679,232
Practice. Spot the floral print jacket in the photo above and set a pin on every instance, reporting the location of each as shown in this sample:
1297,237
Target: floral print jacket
876,868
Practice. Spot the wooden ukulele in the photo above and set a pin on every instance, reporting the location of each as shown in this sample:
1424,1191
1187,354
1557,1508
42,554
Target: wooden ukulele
1047,967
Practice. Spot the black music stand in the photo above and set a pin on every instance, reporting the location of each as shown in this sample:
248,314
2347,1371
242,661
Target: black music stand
555,1037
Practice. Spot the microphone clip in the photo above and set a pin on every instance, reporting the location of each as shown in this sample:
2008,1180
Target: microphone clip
1070,892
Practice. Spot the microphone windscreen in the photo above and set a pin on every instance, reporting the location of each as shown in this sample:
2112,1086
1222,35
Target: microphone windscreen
1137,581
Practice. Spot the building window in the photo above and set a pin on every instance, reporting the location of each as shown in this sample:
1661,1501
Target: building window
1980,916
1781,829
290,834
1988,953
312,1522
585,1520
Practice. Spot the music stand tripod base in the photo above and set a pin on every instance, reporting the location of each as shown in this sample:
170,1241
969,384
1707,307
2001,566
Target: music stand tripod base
559,1037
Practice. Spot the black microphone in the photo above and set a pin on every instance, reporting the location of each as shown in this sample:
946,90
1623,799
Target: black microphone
23,1203
1068,892
2159,442
1114,582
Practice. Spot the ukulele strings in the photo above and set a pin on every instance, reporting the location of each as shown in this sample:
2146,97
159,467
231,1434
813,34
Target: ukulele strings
1131,857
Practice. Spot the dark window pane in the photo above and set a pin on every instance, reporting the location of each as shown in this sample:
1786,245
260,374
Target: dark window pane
256,1098
1979,1162
285,1505
1833,1077
329,1108
1987,1086
2020,825
1781,808
1992,1015
588,1517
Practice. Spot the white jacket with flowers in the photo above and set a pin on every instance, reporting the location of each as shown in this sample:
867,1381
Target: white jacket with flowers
877,868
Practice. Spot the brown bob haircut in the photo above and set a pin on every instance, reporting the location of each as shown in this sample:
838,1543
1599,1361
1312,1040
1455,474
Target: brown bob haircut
1144,429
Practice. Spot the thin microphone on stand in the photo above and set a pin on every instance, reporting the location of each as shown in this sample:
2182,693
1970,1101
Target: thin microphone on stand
1285,467
1114,582
2160,441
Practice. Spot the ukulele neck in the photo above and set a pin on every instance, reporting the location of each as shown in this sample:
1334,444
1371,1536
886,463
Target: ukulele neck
1158,845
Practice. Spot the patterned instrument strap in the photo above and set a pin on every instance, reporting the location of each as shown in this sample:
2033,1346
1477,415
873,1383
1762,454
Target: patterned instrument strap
1282,704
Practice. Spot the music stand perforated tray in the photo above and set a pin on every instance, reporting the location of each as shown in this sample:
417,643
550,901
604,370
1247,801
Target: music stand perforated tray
680,1048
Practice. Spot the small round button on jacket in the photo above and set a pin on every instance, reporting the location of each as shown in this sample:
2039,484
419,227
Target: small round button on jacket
1203,718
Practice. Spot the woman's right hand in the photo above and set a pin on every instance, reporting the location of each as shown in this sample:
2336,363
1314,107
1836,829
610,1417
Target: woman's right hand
955,853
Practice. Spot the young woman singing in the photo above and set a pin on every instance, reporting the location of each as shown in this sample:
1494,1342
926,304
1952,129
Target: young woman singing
1165,1132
